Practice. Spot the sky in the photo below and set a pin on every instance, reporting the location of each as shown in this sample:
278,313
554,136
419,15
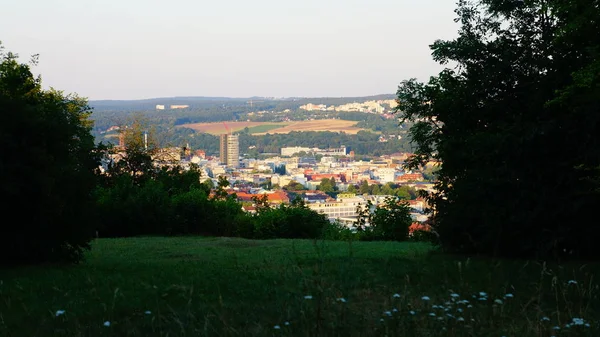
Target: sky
135,49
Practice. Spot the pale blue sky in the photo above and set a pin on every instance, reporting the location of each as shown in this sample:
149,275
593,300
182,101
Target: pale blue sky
131,49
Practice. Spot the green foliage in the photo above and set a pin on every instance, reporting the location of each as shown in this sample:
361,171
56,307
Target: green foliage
47,169
390,221
512,124
294,221
327,185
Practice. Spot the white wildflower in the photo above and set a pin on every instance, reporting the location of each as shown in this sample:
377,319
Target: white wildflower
556,328
434,306
59,312
460,319
440,318
412,312
286,323
587,325
459,310
454,295
308,297
498,301
572,282
425,298
483,298
469,306
578,321
396,296
107,324
394,310
148,312
508,296
277,327
432,314
545,319
341,299
482,294
389,313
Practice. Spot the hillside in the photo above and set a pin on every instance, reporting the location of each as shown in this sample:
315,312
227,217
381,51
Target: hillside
237,287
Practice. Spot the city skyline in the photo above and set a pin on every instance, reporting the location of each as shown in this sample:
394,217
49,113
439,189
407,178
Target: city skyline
137,50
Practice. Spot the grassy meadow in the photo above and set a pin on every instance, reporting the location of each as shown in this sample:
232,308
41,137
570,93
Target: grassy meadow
236,287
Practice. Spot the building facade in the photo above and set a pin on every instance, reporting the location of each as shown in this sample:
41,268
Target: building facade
229,147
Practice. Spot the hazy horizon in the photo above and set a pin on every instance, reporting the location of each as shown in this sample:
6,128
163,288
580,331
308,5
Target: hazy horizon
117,50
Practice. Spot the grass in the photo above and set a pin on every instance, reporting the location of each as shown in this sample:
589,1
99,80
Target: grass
237,287
263,128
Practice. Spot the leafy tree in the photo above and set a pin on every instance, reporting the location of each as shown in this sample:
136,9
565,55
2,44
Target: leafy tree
391,220
363,188
515,125
351,188
47,169
327,185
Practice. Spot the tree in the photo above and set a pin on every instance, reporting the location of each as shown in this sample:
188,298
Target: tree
327,185
48,167
140,145
512,124
391,220
363,188
351,188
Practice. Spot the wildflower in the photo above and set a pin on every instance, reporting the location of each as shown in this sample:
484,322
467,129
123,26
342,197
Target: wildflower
59,312
308,297
381,320
545,319
572,282
148,312
455,295
482,294
556,328
440,318
459,310
434,306
587,325
394,310
425,298
389,313
286,323
412,312
432,314
483,298
469,306
508,296
107,324
396,296
277,327
341,299
460,319
578,321
449,315
498,301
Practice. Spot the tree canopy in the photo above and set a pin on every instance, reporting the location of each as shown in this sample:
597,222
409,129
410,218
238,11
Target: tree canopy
514,122
47,169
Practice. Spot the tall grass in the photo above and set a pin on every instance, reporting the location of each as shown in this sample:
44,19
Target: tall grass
237,287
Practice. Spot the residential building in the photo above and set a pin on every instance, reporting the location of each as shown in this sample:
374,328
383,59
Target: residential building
229,148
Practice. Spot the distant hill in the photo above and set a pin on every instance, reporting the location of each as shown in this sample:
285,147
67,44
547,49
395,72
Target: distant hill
196,102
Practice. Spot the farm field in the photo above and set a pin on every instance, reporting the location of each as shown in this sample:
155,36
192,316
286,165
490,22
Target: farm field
261,128
193,286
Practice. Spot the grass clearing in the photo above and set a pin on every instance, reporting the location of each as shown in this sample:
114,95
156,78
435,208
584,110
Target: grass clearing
237,287
262,128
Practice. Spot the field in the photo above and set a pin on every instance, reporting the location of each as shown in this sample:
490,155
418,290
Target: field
261,128
235,287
